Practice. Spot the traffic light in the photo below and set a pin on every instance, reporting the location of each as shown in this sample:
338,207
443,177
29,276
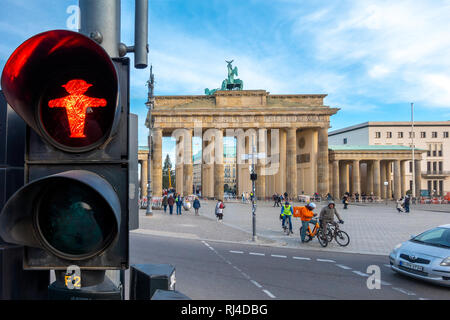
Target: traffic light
73,208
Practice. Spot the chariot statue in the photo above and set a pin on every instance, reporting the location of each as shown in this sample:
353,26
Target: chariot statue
231,83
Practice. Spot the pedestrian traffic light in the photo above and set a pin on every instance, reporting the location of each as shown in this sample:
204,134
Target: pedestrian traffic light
73,208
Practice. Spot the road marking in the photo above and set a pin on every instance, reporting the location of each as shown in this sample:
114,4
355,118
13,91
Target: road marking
326,260
359,273
236,251
387,265
301,258
269,293
278,256
256,254
256,283
409,293
343,267
384,283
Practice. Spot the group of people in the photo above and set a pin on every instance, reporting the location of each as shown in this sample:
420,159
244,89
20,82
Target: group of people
177,200
403,203
307,214
279,198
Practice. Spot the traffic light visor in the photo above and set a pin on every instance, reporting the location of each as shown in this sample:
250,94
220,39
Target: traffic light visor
74,214
65,86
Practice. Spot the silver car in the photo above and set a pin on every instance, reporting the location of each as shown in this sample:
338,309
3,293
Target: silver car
426,256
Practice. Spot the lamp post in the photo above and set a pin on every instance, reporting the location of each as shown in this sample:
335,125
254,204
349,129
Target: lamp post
150,104
413,191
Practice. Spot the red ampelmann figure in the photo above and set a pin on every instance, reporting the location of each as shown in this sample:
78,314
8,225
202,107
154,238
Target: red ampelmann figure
76,105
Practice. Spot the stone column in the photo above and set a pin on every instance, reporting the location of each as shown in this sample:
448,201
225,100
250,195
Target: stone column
219,174
144,178
291,163
336,194
240,163
369,178
280,177
397,178
157,163
179,158
188,168
344,178
402,178
260,165
322,162
383,179
418,176
356,177
388,179
207,166
377,183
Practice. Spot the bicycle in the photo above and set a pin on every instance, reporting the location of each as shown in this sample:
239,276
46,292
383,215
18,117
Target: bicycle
316,232
341,237
286,227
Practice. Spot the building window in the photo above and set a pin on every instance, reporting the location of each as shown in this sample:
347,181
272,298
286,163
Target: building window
441,187
434,167
434,134
429,187
388,134
400,135
377,135
445,134
345,140
412,135
423,134
410,166
440,166
428,166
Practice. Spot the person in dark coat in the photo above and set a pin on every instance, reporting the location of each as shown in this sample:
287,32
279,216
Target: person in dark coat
165,202
171,202
196,205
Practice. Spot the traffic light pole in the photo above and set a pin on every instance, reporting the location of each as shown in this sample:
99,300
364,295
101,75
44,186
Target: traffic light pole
150,103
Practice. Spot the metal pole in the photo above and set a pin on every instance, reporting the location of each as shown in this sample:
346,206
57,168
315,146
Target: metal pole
413,191
100,20
254,192
150,104
141,34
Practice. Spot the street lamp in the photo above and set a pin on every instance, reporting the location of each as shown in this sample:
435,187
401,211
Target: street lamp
150,104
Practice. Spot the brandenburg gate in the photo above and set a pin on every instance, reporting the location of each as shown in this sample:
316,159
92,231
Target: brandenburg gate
288,132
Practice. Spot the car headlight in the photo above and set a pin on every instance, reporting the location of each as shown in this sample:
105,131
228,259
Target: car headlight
446,262
396,248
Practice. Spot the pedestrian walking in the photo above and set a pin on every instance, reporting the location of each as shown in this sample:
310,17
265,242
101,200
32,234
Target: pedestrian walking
400,203
179,203
196,205
345,201
171,202
406,203
165,202
219,210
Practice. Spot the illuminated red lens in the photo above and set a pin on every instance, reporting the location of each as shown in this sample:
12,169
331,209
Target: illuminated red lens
65,86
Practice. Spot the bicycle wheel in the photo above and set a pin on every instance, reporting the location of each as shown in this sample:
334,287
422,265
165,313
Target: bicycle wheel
342,238
308,237
323,239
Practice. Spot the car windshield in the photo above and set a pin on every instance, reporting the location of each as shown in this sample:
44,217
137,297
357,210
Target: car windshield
437,237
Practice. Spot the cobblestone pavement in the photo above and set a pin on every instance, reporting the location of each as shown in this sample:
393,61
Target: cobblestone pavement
373,228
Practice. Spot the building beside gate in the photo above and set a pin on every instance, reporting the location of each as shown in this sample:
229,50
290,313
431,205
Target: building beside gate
430,136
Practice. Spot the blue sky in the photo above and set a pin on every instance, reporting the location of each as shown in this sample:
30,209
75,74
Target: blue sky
372,58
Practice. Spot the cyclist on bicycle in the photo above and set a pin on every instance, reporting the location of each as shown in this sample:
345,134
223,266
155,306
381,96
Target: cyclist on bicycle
327,215
286,213
306,215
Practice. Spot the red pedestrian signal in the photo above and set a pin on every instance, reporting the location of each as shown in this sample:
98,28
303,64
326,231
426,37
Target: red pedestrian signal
76,105
72,96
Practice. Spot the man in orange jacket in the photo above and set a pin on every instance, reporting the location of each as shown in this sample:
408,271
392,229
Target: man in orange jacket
306,214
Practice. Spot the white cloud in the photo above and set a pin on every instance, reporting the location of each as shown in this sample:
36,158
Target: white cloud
401,47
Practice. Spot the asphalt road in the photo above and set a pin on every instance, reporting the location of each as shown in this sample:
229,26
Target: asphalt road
210,270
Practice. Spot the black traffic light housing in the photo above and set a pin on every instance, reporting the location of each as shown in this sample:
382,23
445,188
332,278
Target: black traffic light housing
73,209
